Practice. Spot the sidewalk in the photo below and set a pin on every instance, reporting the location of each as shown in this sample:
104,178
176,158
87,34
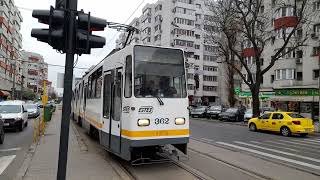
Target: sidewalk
83,164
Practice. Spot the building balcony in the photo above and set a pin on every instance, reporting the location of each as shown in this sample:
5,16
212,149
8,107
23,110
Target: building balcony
210,93
285,22
278,84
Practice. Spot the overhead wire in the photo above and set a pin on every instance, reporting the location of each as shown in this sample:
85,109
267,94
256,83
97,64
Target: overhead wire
115,34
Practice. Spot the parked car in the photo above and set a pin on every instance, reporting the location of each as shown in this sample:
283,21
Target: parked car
231,114
1,131
14,114
213,111
264,110
248,115
286,123
33,110
199,111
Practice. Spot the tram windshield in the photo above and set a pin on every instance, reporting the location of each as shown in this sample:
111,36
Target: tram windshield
159,72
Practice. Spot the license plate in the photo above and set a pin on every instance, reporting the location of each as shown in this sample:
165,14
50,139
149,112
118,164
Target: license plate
6,124
308,130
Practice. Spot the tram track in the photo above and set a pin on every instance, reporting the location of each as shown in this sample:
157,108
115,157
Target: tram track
142,172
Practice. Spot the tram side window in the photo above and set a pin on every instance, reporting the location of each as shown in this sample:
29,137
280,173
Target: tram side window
106,96
89,88
128,80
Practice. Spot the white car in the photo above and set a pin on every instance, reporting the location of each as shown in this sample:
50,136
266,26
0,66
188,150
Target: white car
14,114
248,115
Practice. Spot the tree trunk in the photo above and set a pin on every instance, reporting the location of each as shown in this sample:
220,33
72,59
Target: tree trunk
255,101
231,97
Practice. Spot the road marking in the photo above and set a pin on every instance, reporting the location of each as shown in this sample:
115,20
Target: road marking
5,161
301,144
12,149
307,142
205,139
277,151
272,156
313,140
295,146
288,149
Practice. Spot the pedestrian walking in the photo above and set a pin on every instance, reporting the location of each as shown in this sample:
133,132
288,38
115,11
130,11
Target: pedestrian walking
242,111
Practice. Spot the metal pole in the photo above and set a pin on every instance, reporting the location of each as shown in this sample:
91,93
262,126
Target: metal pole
13,96
319,92
71,8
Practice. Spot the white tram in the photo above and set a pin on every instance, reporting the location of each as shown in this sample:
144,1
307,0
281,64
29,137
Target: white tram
136,101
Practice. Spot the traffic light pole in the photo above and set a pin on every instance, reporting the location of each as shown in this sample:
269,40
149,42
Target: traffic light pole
71,10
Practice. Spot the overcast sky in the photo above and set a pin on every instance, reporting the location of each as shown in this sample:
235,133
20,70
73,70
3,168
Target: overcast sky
111,10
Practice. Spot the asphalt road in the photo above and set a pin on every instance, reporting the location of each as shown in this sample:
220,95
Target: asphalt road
13,150
296,152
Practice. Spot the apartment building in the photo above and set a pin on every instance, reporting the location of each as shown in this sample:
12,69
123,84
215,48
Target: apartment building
35,71
180,24
10,44
292,83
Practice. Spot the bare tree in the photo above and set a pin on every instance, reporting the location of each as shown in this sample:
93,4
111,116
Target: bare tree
237,25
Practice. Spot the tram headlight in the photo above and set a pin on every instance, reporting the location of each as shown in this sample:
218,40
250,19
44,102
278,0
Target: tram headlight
143,122
180,121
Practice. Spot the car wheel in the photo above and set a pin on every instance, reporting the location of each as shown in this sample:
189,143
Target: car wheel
303,134
285,131
21,126
2,136
26,124
252,127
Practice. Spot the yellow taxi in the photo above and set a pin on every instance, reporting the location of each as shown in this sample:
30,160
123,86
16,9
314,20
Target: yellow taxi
286,123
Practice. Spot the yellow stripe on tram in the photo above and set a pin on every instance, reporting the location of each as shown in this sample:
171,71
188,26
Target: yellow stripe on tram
177,132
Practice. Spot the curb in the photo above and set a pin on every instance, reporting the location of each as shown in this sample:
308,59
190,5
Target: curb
26,162
81,142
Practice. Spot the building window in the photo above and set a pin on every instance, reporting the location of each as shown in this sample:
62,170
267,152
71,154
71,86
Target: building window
283,32
285,74
190,76
210,48
272,79
196,57
196,67
184,21
283,12
316,5
210,68
210,78
315,51
197,46
198,26
299,76
197,36
249,60
198,17
198,6
209,88
315,73
157,37
190,87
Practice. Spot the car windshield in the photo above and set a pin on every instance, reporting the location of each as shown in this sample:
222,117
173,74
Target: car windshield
217,108
159,72
232,110
10,109
295,115
31,106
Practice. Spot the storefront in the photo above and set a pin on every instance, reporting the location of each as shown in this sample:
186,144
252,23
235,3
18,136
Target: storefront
265,98
304,101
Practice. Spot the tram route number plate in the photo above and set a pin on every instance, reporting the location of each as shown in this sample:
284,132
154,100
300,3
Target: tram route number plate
161,121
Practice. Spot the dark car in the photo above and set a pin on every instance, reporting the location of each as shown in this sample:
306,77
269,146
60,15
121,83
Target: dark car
198,111
213,111
1,130
231,114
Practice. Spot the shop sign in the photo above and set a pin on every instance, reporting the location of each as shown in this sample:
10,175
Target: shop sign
297,92
261,94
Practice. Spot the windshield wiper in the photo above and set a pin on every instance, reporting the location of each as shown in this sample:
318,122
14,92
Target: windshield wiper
159,100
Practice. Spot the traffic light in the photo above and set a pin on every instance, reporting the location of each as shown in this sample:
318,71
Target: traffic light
85,40
54,35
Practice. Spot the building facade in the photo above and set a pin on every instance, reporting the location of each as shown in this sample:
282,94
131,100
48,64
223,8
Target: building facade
35,71
292,83
10,45
180,24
